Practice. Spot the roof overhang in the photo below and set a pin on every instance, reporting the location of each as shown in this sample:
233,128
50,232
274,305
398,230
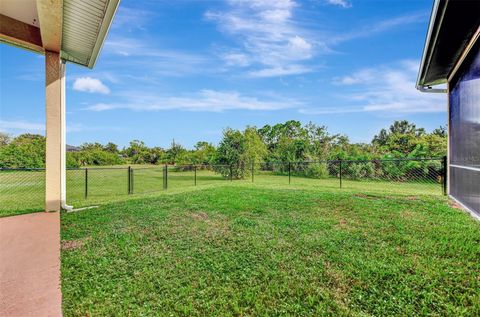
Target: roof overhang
76,29
454,27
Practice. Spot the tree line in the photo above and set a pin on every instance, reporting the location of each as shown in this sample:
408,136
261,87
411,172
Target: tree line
290,141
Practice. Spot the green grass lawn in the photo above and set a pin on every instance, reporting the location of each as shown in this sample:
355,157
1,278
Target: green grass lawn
23,191
270,248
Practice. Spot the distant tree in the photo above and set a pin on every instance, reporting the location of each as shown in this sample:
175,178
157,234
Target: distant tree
91,146
255,149
405,127
4,139
24,151
135,147
175,152
440,131
93,156
230,152
111,147
381,138
204,153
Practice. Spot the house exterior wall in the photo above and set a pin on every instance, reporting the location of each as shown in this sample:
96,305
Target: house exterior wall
464,128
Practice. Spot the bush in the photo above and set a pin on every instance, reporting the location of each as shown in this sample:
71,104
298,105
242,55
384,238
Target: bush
317,170
96,157
71,161
24,151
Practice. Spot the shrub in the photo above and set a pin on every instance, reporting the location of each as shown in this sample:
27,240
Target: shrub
317,170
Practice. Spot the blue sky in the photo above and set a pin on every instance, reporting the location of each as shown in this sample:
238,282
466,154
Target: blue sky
185,70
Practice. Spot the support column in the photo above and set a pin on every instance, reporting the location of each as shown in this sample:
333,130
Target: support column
55,131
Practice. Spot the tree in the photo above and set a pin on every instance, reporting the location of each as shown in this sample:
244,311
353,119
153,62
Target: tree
229,154
255,149
135,147
111,147
204,153
440,131
91,146
400,139
381,139
4,139
24,151
174,152
405,127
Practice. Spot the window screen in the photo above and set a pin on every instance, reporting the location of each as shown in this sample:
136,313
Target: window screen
465,132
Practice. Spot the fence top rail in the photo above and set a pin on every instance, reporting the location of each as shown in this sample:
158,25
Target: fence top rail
96,168
227,165
357,161
21,169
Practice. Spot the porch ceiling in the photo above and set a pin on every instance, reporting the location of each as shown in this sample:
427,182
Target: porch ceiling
74,28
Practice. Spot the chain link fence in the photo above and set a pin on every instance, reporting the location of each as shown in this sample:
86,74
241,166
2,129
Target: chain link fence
23,189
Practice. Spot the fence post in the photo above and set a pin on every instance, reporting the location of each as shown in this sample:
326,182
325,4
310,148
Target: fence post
253,170
340,173
165,176
195,175
289,172
445,173
231,172
129,180
132,180
86,183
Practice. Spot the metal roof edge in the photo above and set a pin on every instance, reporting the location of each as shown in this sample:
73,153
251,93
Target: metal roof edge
431,39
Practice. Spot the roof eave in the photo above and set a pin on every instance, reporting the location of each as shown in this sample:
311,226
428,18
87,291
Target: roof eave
430,42
107,22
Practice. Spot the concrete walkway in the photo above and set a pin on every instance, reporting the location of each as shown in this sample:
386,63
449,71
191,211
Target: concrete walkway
30,265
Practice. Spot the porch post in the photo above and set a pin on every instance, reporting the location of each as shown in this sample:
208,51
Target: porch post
55,131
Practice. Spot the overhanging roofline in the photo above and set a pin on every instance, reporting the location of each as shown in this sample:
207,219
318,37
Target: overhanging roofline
453,29
428,48
76,29
107,22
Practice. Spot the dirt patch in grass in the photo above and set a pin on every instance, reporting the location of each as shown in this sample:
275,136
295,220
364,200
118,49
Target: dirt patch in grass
200,216
200,224
411,198
365,196
343,224
338,281
73,244
454,204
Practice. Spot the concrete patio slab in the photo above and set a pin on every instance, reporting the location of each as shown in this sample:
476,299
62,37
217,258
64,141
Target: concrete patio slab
30,265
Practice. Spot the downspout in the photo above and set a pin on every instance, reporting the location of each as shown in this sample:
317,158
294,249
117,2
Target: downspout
63,150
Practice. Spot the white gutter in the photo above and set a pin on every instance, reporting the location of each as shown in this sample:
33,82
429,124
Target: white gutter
431,90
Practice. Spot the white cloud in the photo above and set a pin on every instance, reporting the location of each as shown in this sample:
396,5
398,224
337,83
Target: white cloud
342,3
378,27
280,71
358,77
204,100
267,36
130,18
159,62
236,59
89,84
21,125
272,40
385,89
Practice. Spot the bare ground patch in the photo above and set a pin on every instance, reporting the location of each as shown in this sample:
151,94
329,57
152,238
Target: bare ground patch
74,244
